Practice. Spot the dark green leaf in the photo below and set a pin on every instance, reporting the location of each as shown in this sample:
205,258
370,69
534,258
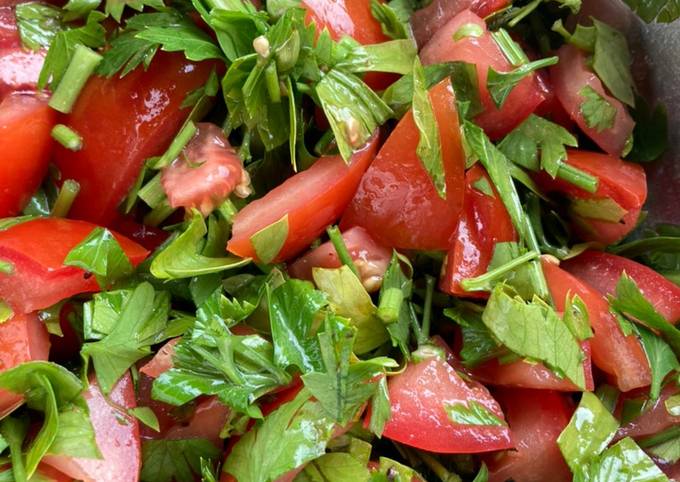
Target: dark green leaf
612,61
479,345
175,460
38,24
186,38
650,135
597,111
661,11
662,360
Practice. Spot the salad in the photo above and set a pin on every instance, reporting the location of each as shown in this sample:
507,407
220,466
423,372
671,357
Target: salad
332,241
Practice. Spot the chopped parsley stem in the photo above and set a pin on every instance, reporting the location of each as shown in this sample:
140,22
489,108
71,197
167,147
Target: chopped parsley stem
67,137
511,49
178,143
271,78
427,307
523,12
340,248
80,68
483,282
152,192
6,267
390,305
660,437
158,214
577,177
67,194
439,470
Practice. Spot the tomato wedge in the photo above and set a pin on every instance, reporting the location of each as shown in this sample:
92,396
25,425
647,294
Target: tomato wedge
603,271
26,145
396,201
569,77
311,199
116,433
654,418
620,356
36,250
420,397
483,223
484,53
123,122
427,21
536,419
623,183
370,258
23,338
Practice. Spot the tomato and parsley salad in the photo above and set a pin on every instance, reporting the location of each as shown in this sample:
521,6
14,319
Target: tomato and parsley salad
331,241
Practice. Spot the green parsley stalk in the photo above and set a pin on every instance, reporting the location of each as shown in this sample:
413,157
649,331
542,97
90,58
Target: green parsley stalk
483,282
427,310
178,143
340,248
159,214
67,137
80,68
67,194
660,437
577,177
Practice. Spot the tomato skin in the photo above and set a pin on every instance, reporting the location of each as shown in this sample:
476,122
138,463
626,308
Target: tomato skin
603,271
19,68
122,123
26,122
621,357
396,201
483,223
570,75
536,419
23,338
37,250
418,397
654,419
623,182
484,53
370,258
427,21
45,473
116,433
312,199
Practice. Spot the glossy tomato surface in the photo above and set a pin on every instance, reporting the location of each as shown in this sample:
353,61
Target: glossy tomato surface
655,416
536,419
420,397
36,250
603,271
312,199
26,146
622,357
116,433
569,77
123,122
23,338
19,67
396,201
623,182
485,53
370,257
483,223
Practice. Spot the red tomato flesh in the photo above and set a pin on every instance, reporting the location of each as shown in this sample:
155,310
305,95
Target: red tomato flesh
312,199
37,250
485,53
396,201
484,222
419,397
116,433
123,122
370,258
654,419
26,122
603,271
536,419
23,338
569,77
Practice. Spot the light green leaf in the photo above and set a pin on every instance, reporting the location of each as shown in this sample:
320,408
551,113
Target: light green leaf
175,460
662,360
597,111
38,24
603,209
472,413
395,56
269,240
147,416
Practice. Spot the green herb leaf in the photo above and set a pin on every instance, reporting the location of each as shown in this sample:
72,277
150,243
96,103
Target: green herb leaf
597,111
398,319
472,413
175,460
650,134
184,37
576,318
115,7
479,345
662,360
623,461
75,436
612,61
147,416
269,240
336,467
660,11
501,84
668,452
390,23
381,409
395,56
38,24
602,209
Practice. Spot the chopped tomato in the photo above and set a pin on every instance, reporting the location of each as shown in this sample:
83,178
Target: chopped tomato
536,419
622,182
570,76
26,122
485,54
206,422
123,122
620,356
9,34
427,21
603,271
206,172
396,201
484,222
311,199
161,361
370,258
655,417
421,396
36,250
19,68
116,433
23,338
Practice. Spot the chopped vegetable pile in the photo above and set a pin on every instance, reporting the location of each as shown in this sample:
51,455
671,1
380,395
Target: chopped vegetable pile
332,241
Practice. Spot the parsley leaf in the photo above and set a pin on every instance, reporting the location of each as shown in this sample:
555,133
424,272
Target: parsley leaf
391,23
661,11
623,461
38,24
472,413
612,61
501,84
268,241
650,134
395,56
662,360
175,460
398,317
479,345
597,111
659,248
115,7
184,36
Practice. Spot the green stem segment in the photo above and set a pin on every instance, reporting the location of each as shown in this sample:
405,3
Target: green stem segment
438,469
659,438
67,194
82,65
390,305
484,282
178,143
158,214
511,49
578,178
67,137
340,248
427,309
